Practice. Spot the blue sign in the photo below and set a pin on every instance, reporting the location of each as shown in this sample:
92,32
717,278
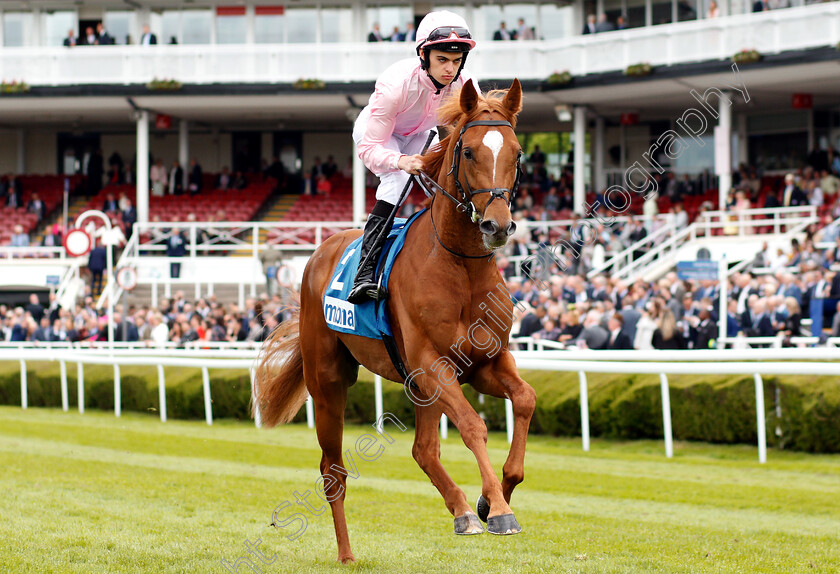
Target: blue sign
53,280
700,270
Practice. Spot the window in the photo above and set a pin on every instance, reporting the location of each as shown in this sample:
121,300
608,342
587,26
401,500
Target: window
230,25
16,28
525,12
302,26
486,20
196,26
269,29
556,22
337,25
120,26
57,24
171,26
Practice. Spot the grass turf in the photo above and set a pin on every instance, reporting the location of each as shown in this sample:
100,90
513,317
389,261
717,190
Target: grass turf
93,493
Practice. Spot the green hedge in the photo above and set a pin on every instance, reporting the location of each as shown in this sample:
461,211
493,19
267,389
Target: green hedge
717,409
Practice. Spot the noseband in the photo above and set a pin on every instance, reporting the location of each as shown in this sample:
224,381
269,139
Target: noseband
465,204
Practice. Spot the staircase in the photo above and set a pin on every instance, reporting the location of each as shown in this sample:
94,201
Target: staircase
738,237
275,211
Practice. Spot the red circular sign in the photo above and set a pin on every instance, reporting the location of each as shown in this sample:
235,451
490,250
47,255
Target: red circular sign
77,242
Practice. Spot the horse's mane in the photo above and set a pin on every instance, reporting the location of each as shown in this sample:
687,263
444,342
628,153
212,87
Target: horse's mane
452,117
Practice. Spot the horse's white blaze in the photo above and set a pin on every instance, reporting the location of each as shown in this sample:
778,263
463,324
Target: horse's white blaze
494,140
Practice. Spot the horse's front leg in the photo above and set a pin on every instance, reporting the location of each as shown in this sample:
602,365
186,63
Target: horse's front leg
500,378
451,400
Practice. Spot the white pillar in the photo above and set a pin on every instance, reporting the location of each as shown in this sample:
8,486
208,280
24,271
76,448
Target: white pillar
142,173
580,158
599,177
648,12
184,148
250,23
21,151
723,155
358,187
743,140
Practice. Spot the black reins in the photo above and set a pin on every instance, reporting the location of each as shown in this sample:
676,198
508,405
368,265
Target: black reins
465,204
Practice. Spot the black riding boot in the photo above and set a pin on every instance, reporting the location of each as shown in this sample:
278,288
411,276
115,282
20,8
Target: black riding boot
365,286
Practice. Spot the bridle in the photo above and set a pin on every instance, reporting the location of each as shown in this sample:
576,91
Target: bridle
465,204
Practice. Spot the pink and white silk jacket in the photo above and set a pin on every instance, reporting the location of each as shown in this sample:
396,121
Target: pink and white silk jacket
404,103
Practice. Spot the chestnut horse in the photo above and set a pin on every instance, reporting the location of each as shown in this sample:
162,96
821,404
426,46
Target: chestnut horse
452,324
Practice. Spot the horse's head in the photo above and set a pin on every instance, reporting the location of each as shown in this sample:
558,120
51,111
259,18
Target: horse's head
482,157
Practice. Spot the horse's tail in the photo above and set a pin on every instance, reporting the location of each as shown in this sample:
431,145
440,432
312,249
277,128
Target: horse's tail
279,387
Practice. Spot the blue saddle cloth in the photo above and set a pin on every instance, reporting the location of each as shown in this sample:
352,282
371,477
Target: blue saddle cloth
368,319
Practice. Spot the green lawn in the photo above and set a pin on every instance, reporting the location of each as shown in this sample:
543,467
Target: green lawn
93,493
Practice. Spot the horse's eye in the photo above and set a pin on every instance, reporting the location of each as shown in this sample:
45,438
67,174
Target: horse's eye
468,154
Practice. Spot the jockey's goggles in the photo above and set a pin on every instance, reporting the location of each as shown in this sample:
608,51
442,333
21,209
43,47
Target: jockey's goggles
445,33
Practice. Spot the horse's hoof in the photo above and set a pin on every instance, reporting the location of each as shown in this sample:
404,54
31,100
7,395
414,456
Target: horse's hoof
350,559
503,524
482,508
468,524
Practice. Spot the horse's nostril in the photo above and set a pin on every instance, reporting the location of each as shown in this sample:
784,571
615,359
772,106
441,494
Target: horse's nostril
511,229
489,227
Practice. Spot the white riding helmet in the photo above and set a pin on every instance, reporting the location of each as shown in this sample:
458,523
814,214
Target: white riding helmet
446,31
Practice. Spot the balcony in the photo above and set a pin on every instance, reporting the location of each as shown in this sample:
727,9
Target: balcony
681,43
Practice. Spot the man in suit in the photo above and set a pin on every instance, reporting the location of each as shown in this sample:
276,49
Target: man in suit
619,341
410,32
14,192
42,333
110,203
375,35
503,34
37,207
103,38
593,335
621,24
590,27
706,330
196,178
129,217
71,39
176,179
89,39
532,322
789,288
792,195
604,25
760,6
35,308
762,326
176,246
147,39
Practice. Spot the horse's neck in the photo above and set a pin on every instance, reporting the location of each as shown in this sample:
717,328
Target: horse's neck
459,234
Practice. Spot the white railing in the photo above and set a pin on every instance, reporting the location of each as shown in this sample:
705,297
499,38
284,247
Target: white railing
8,252
624,259
793,219
700,40
662,363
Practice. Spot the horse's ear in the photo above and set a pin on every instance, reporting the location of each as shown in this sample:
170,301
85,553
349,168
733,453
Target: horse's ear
513,98
469,98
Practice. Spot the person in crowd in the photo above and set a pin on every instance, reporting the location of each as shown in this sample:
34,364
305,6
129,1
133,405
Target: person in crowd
503,34
620,23
396,35
196,179
147,39
523,31
71,39
36,206
604,25
158,178
89,39
176,179
103,38
176,247
619,341
713,11
591,25
667,336
375,35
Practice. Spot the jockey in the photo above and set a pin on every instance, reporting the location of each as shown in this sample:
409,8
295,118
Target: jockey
392,130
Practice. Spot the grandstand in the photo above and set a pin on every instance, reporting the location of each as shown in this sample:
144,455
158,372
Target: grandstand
223,86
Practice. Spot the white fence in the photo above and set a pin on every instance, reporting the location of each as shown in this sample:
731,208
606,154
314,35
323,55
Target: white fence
700,40
739,362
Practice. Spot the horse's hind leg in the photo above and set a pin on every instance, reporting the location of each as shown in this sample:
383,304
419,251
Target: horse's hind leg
426,452
329,370
500,378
